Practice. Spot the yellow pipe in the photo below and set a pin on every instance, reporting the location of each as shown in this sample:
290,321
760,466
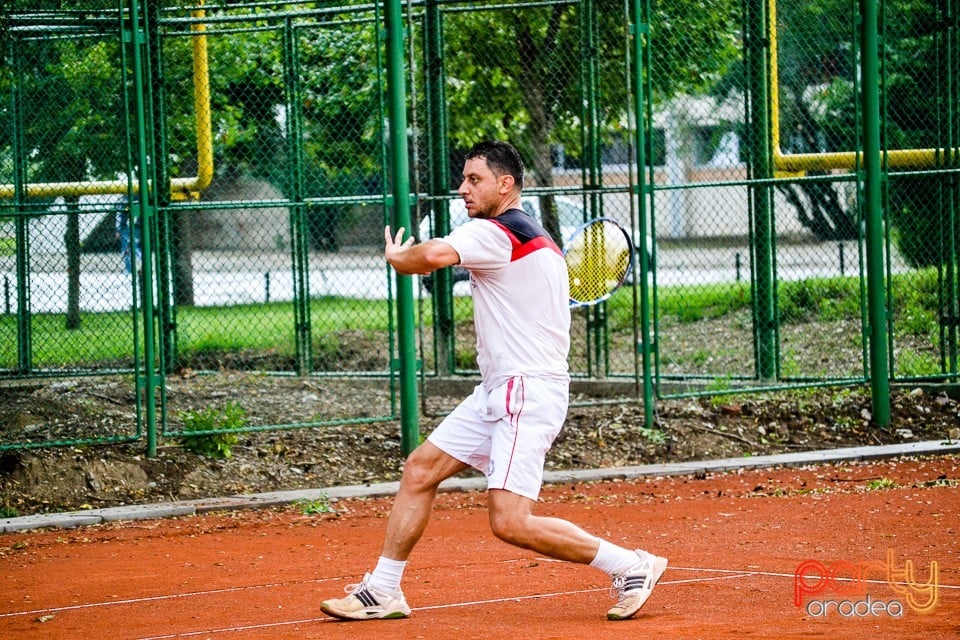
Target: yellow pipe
801,162
180,188
201,107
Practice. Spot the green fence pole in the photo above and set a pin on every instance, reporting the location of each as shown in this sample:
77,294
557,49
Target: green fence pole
873,214
949,184
598,359
298,213
147,215
166,240
22,243
761,167
400,191
640,31
439,181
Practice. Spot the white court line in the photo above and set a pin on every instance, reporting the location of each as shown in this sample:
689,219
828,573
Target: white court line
731,574
773,574
172,596
724,574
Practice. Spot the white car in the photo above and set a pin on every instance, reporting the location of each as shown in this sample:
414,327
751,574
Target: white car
569,211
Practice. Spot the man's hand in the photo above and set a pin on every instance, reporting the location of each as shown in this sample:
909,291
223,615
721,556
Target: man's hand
409,258
394,247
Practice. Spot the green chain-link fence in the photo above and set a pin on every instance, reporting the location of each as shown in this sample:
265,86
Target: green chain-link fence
252,145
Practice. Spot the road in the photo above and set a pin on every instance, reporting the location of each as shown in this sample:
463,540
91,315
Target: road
224,278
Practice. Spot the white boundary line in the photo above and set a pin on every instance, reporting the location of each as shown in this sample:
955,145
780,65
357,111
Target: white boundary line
721,574
728,575
171,596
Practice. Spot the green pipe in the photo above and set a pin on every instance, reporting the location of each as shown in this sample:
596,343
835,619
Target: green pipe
400,203
439,181
144,209
873,212
757,50
640,31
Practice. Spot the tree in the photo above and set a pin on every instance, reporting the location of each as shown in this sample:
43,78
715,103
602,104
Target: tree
517,72
69,83
329,97
818,70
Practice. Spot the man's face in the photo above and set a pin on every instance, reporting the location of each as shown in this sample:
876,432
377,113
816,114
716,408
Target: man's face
482,191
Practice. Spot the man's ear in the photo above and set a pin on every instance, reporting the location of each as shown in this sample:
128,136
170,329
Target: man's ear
505,183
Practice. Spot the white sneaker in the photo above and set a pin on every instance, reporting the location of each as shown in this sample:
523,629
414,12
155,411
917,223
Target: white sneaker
364,602
632,587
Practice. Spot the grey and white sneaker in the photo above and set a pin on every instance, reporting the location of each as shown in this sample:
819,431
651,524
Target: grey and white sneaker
632,587
364,602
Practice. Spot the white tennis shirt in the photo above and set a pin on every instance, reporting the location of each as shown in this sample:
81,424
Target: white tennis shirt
521,297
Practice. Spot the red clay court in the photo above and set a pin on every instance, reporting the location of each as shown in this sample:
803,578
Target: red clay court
876,543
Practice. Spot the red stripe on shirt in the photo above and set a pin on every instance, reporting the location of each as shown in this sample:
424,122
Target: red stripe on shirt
521,249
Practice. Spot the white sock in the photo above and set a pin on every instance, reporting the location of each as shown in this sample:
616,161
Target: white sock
614,560
387,574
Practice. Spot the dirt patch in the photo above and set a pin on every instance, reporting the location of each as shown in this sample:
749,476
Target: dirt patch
35,480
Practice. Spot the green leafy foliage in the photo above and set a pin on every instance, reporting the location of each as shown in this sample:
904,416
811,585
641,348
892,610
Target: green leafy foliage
211,432
8,512
878,484
317,506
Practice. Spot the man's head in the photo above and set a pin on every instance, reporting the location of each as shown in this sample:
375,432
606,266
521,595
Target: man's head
492,179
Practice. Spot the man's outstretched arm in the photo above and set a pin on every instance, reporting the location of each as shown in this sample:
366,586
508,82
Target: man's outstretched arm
409,258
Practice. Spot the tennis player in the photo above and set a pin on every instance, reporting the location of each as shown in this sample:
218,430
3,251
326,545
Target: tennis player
504,429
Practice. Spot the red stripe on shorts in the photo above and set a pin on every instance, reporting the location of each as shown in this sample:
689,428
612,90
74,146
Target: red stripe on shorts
514,420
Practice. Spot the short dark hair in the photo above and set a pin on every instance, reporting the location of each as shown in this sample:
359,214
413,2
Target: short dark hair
502,158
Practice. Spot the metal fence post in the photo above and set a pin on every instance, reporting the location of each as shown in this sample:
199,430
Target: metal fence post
24,323
872,188
148,213
400,190
640,30
439,182
757,46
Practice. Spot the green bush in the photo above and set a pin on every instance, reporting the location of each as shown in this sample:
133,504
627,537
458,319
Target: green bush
919,219
211,432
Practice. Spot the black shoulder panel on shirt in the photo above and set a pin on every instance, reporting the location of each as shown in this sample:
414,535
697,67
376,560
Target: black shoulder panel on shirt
521,224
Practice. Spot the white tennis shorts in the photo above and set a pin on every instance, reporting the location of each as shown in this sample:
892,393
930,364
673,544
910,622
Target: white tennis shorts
506,433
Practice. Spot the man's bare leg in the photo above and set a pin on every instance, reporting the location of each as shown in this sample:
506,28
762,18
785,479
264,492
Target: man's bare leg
423,472
379,594
634,573
512,520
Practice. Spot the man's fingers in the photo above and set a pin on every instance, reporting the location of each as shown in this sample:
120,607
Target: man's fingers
399,238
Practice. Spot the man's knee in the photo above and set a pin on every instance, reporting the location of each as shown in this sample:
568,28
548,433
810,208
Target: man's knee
427,467
507,528
416,471
511,523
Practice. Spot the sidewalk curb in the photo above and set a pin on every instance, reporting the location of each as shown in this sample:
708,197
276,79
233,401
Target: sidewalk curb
277,498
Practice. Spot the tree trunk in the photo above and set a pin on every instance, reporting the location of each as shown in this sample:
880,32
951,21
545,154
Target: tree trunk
539,97
182,247
71,241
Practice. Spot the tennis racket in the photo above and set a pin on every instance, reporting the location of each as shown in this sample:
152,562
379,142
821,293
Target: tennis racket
599,257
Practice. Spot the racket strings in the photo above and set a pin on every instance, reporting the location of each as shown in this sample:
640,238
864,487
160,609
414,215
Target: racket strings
598,260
